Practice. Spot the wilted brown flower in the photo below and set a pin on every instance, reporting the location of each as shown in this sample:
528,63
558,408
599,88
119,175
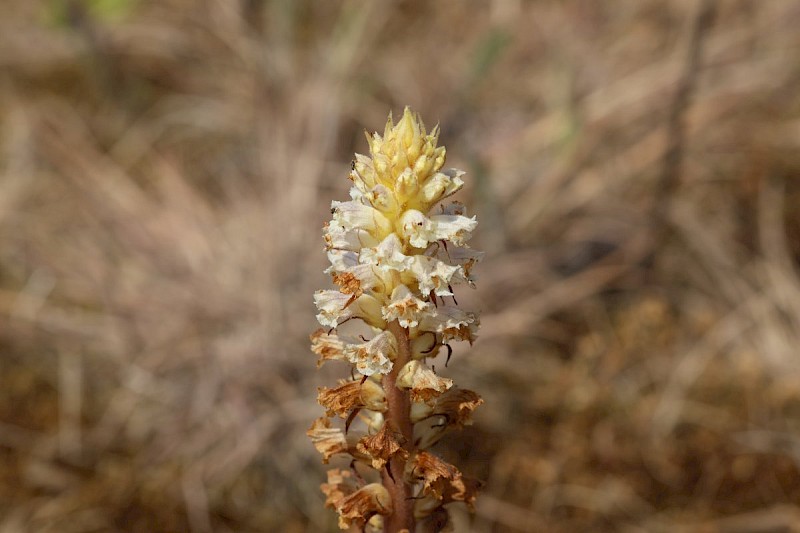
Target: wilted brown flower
341,400
382,446
328,346
357,508
327,440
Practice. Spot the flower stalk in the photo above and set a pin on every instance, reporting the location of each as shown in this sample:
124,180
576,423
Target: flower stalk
396,252
398,415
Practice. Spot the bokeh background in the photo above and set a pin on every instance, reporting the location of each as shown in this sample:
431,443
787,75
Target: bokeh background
166,167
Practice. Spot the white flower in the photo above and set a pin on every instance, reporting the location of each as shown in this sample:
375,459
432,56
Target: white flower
421,230
405,307
331,306
365,274
355,215
451,322
435,276
338,238
454,228
417,228
388,255
334,307
341,260
423,382
374,356
357,195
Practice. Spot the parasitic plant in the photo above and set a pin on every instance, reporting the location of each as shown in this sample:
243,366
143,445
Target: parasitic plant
395,253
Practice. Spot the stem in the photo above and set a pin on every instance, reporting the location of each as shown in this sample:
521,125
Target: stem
399,417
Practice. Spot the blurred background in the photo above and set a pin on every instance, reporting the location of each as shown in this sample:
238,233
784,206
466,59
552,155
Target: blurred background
165,170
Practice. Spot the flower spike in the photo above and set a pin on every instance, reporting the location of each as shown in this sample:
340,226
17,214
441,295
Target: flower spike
396,253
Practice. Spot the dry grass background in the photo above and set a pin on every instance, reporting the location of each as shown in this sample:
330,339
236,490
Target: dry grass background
166,166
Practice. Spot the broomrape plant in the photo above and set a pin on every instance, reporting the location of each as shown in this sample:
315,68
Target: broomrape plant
395,254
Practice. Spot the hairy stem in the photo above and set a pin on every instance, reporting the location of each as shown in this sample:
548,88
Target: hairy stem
399,417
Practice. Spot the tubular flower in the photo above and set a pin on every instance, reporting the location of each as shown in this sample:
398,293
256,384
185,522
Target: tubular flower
397,255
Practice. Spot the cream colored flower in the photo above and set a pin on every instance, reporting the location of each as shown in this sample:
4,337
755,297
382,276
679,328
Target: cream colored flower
341,261
355,215
425,385
454,228
418,229
451,322
331,306
421,230
435,276
338,238
335,307
374,356
387,256
404,307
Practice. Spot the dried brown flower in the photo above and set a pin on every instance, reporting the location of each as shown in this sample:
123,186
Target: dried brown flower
382,446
